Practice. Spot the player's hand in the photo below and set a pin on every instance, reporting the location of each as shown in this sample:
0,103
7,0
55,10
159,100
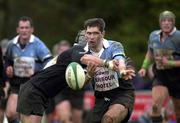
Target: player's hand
91,68
127,74
114,65
165,62
90,58
9,71
142,72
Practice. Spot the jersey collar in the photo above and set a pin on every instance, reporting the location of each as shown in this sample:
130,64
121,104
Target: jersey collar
15,40
171,33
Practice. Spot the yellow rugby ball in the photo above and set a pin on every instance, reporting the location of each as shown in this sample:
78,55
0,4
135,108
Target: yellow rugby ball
75,76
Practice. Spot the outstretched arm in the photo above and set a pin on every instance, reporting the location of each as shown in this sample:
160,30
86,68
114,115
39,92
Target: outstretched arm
117,65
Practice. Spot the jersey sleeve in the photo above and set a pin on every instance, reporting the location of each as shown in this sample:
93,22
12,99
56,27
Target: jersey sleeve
118,51
150,43
42,51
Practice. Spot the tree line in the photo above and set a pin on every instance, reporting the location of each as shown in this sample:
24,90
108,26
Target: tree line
127,21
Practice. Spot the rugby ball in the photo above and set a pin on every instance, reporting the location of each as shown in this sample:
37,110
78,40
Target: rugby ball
75,76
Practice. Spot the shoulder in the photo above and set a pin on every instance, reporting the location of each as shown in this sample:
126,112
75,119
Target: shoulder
10,44
177,33
37,40
154,36
176,37
154,33
39,43
113,44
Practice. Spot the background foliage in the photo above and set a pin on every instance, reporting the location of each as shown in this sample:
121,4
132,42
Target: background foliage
128,21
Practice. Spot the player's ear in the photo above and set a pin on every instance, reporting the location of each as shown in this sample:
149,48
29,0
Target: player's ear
17,30
32,29
103,34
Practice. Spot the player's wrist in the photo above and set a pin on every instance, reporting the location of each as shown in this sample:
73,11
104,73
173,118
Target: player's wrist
171,63
122,72
108,64
105,63
146,64
88,76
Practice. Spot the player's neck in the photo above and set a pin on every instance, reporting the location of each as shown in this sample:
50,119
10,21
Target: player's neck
97,48
164,35
98,54
23,41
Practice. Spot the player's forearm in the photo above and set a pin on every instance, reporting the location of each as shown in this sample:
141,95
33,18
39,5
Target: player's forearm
174,63
148,60
88,79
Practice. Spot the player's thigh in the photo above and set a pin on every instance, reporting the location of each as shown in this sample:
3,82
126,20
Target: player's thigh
77,115
31,100
63,109
117,112
11,103
159,94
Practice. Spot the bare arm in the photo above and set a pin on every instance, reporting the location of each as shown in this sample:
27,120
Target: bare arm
146,63
117,65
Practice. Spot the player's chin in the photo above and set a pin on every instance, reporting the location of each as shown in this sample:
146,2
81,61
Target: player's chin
92,44
25,37
167,29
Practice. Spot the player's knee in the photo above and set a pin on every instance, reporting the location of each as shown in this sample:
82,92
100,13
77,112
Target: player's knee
65,116
156,108
11,116
107,119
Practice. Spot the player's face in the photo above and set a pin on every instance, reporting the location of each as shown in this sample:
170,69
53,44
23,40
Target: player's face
63,48
166,25
24,30
94,36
